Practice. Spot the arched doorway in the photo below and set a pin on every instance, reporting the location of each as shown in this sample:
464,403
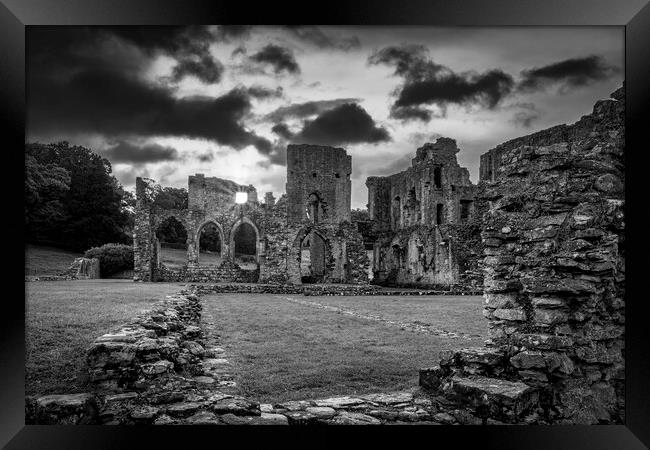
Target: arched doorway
313,258
171,247
244,244
210,244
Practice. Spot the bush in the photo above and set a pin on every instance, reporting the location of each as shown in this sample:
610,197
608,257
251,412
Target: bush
113,258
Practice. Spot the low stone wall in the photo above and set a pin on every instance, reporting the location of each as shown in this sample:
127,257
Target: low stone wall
165,339
325,289
228,272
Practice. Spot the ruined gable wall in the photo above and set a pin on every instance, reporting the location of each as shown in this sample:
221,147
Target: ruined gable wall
413,249
215,195
210,200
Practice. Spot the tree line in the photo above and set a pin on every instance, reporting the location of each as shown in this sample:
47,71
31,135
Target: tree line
73,201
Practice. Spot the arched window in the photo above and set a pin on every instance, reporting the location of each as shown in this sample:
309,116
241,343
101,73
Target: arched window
314,208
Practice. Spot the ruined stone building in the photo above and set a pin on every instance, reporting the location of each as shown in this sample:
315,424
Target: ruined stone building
554,245
414,214
306,236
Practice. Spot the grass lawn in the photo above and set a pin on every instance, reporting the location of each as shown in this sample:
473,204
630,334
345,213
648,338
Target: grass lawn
43,260
62,318
286,351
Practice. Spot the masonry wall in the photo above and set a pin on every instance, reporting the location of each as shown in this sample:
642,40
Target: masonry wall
280,226
555,263
413,213
321,171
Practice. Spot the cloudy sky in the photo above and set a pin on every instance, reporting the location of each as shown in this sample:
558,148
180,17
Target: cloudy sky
168,102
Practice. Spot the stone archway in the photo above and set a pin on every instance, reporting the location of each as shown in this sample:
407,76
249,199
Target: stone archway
235,239
320,254
223,249
169,241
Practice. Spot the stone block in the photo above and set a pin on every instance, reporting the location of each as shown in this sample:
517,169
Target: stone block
528,359
351,418
65,409
513,314
499,398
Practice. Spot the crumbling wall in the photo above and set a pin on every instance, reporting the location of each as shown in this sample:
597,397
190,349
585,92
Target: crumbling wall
211,201
422,216
318,199
554,278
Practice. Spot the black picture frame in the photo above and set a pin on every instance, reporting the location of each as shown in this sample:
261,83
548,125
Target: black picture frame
634,15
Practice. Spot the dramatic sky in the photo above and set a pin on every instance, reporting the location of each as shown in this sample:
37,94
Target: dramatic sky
168,102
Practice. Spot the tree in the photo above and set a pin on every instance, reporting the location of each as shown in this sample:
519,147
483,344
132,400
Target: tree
171,231
359,215
45,187
90,212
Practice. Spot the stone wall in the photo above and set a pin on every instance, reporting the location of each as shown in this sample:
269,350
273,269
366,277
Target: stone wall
280,227
318,178
419,216
227,272
554,279
158,341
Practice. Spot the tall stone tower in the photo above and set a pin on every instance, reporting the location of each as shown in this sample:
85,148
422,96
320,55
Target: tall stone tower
318,184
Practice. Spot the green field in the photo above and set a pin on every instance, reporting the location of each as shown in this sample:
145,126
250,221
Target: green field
287,351
44,260
62,318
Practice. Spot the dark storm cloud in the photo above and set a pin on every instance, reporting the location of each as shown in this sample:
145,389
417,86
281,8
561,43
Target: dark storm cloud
281,59
206,69
345,124
411,113
315,36
189,45
429,83
264,93
570,73
307,109
78,89
126,152
208,156
282,130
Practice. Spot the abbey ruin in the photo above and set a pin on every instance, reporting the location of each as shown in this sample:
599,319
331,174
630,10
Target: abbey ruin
314,211
307,234
545,226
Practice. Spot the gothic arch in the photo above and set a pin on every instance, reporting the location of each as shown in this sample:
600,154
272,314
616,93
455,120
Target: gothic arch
258,237
197,237
295,255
